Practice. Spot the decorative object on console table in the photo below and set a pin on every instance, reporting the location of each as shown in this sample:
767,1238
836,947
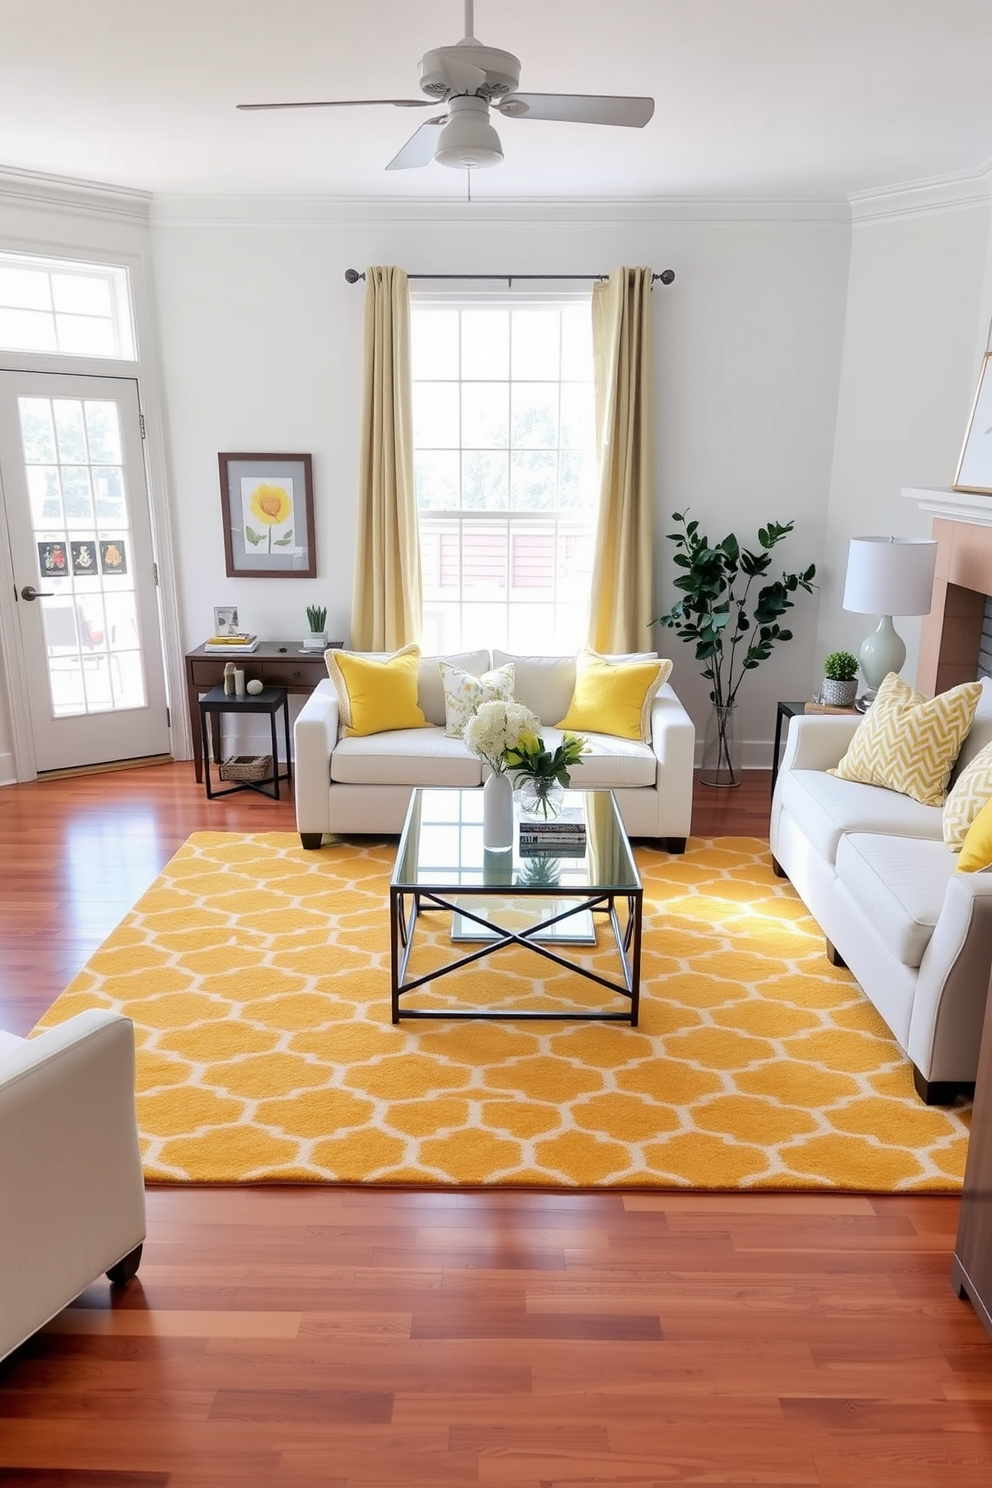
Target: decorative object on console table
974,472
317,619
267,502
718,614
225,620
887,576
839,687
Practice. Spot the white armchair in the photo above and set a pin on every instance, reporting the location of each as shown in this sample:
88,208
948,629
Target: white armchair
72,1196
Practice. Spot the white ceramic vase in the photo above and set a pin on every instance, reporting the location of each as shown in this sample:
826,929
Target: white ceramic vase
497,814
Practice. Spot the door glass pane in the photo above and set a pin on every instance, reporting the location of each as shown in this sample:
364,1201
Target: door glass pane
73,459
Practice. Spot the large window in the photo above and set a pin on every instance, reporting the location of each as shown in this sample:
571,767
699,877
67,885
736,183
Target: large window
64,307
505,465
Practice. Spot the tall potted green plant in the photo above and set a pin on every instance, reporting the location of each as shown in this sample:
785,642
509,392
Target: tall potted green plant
732,617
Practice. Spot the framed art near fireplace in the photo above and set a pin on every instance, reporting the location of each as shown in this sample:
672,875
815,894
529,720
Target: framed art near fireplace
974,472
267,503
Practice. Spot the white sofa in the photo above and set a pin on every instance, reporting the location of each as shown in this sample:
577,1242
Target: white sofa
872,868
73,1202
363,785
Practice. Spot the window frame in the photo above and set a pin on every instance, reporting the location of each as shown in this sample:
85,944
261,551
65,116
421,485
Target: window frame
116,276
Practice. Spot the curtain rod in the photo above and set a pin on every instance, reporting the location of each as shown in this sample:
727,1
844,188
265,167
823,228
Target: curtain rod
667,276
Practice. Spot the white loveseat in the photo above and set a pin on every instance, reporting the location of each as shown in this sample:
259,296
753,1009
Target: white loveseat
363,784
872,868
73,1201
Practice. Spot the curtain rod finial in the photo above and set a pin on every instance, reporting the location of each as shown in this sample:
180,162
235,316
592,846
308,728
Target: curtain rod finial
667,276
352,276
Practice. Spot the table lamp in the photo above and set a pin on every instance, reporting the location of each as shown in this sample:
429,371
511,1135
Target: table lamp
887,576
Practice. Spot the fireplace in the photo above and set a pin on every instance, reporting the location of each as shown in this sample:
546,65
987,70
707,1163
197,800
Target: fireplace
952,649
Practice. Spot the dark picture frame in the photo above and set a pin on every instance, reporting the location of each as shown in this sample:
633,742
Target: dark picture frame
974,471
267,504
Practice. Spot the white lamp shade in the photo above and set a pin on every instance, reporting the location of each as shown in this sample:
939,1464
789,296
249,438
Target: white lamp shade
890,575
468,140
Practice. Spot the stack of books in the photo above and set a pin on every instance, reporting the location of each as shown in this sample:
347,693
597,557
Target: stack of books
561,836
231,645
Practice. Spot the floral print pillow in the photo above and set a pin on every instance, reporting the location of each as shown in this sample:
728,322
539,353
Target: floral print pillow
463,693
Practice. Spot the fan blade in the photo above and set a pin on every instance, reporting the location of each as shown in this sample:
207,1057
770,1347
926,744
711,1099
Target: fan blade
577,108
419,148
345,103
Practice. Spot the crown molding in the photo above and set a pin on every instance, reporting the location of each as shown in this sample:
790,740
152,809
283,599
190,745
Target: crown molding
66,193
239,211
918,198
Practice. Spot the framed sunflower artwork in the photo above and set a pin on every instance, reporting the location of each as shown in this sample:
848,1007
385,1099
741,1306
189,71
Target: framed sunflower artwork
267,503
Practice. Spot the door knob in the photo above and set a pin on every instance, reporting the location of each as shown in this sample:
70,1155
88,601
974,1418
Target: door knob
30,592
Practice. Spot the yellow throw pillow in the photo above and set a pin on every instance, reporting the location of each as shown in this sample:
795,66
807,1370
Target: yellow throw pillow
909,743
966,798
375,695
614,697
976,854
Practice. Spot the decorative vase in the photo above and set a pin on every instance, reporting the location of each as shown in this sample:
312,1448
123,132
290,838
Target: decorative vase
541,796
315,640
721,763
839,694
497,814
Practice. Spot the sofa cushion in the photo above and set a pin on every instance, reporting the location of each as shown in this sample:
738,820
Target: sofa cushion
464,693
610,763
899,884
430,690
967,796
824,808
614,697
980,733
908,742
376,695
976,850
405,757
545,684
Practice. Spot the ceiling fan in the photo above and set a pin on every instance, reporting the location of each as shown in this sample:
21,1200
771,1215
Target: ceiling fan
472,79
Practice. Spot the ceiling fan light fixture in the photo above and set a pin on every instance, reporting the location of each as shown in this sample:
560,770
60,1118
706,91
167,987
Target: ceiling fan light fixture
468,141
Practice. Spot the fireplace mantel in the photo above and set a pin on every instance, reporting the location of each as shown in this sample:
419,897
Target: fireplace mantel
950,638
955,506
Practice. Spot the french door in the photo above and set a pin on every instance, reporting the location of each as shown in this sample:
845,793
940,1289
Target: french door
78,527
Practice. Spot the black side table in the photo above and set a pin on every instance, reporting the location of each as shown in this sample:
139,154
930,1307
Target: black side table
785,710
269,701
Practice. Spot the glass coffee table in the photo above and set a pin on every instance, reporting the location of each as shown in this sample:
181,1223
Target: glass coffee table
453,903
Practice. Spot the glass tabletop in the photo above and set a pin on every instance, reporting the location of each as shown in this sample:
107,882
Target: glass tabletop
441,848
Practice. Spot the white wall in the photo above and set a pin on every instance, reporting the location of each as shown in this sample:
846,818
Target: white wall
907,380
261,343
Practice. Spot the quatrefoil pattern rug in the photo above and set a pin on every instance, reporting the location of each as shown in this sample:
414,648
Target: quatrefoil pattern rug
257,976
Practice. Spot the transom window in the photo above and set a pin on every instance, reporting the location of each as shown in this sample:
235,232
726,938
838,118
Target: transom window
65,308
505,469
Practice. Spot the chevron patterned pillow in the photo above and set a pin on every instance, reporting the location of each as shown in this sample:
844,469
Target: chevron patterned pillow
909,743
966,798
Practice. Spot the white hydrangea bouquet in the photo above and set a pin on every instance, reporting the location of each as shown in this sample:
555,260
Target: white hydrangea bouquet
496,729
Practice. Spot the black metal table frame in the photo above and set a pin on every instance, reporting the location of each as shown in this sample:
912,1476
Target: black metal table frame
262,702
402,925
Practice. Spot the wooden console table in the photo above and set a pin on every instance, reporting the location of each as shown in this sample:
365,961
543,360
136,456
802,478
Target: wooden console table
273,663
971,1272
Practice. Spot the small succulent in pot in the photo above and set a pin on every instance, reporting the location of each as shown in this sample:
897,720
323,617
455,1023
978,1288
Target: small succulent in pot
840,679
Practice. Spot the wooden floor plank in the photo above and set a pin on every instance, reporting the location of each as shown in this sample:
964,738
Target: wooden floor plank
360,1338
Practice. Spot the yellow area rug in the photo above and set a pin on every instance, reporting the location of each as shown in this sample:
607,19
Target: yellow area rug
257,976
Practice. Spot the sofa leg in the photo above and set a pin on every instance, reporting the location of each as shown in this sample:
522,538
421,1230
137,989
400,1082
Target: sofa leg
125,1269
777,869
939,1092
833,954
310,840
675,845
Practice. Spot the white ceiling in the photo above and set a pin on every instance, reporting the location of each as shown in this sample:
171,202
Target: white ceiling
771,98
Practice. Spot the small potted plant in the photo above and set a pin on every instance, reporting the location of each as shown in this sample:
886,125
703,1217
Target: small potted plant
316,618
840,679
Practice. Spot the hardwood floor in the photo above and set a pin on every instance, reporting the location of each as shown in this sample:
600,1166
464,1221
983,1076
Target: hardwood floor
377,1338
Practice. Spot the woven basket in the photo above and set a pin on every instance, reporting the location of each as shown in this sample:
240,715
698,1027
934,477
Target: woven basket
247,767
